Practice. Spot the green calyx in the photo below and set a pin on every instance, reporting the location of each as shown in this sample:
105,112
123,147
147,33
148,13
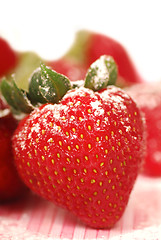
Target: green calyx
48,86
15,97
101,73
45,86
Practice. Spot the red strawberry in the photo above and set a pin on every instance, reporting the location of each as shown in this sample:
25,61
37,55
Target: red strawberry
83,153
11,187
8,57
71,69
148,98
89,46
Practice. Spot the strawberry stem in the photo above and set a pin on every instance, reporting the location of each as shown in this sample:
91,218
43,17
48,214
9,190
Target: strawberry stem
101,73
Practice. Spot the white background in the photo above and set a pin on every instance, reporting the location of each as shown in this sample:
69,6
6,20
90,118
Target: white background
48,27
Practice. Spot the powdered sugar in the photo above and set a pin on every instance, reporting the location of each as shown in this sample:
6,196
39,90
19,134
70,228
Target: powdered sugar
56,110
102,73
96,106
111,95
78,91
95,103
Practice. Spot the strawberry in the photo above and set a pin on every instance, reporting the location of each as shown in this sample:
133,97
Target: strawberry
148,98
73,70
11,186
8,58
89,46
84,152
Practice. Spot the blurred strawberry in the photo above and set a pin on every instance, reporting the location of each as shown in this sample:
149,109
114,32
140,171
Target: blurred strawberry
68,67
11,186
89,46
148,98
8,58
27,63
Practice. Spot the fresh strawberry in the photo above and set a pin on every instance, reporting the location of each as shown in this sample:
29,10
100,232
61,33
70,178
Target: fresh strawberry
83,152
89,46
8,58
148,98
11,187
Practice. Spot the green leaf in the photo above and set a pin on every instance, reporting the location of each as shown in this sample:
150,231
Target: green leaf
101,73
34,87
15,97
47,85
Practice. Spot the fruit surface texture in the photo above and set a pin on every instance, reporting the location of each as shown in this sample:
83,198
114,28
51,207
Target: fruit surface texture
83,154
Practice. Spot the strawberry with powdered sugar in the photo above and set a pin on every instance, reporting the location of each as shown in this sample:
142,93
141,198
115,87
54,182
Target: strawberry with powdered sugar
82,150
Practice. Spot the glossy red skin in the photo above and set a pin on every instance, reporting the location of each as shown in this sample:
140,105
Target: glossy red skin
99,44
83,154
8,58
73,71
11,187
148,98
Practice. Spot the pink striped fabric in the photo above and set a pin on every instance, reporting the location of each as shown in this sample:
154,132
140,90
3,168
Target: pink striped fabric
37,219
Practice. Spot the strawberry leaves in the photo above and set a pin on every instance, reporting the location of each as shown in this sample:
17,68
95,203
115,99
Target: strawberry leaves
83,154
48,86
101,73
15,97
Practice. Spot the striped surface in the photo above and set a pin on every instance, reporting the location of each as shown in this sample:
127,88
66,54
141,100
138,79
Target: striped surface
37,219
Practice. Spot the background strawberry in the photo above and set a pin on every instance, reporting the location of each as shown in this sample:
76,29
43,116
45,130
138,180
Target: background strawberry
8,58
89,46
148,98
83,153
11,187
72,69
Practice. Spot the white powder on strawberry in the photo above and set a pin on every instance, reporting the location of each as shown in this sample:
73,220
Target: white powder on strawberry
96,106
35,128
117,100
102,74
